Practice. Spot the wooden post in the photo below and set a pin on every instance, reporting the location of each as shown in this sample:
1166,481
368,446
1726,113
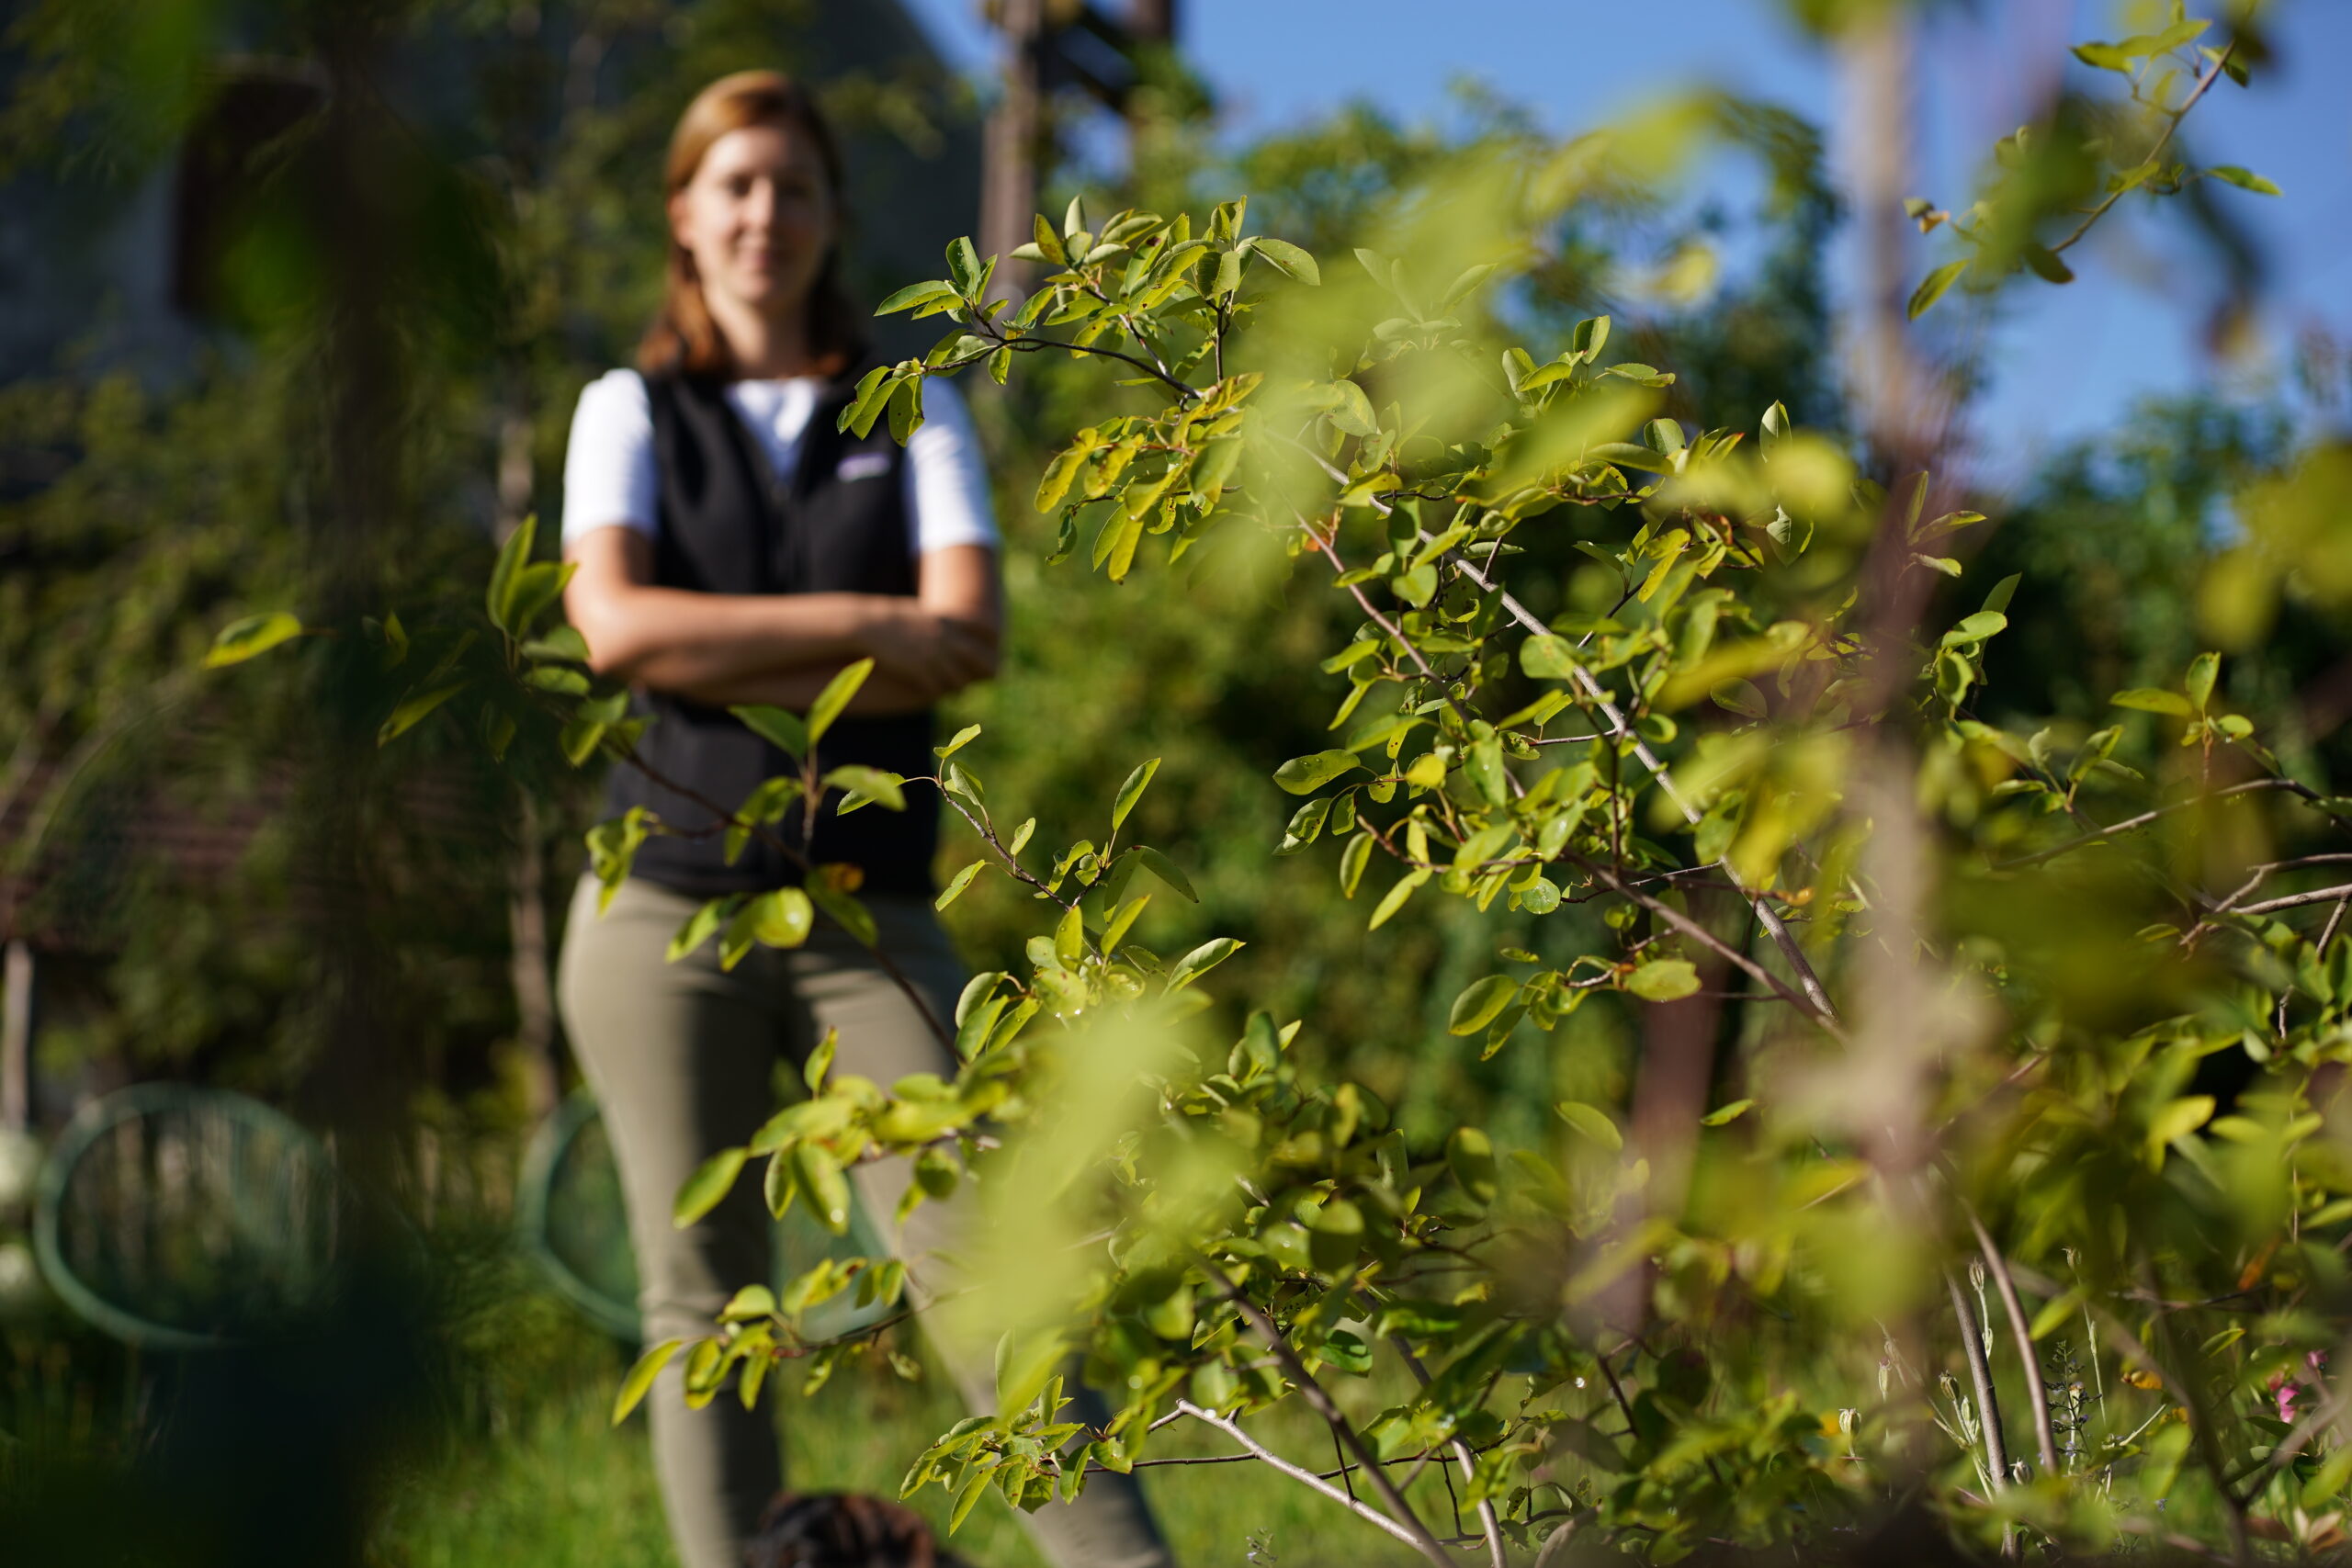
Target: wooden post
527,918
1010,147
19,980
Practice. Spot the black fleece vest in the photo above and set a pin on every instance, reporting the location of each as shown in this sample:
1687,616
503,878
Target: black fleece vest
729,526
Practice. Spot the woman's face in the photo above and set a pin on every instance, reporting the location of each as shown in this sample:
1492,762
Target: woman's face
757,218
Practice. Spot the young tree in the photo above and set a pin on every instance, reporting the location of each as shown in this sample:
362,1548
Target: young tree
1918,1203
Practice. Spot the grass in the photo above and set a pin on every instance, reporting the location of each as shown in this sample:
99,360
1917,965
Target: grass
560,1488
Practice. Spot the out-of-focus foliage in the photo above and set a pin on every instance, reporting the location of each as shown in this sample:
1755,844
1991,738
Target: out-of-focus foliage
1940,1007
2051,183
1214,677
149,492
1721,1054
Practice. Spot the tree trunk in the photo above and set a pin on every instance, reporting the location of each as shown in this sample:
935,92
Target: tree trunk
1011,147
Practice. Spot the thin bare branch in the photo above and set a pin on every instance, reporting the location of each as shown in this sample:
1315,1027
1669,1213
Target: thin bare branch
2045,1437
1319,1399
1462,1454
1422,1543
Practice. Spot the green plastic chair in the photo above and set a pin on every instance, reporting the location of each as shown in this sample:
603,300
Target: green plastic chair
180,1219
570,1219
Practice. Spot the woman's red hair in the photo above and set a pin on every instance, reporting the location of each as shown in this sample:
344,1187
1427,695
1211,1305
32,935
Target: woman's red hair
683,339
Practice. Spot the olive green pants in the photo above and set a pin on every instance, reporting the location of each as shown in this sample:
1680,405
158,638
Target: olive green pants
682,1058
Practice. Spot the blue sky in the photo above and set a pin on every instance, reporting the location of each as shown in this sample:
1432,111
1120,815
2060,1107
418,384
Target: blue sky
2064,361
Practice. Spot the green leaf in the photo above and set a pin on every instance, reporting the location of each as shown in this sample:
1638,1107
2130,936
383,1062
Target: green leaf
1335,1240
2178,1119
1049,244
241,639
1306,824
910,298
873,390
1303,775
1932,286
835,697
1213,469
1115,929
847,912
1160,866
1394,899
698,927
2047,265
1742,697
396,642
711,1181
2200,682
1131,792
821,1061
779,728
2104,57
863,783
1470,1156
413,709
1477,1007
2151,699
1548,657
535,589
906,409
1663,980
1352,861
820,1180
578,739
1591,335
964,736
1732,1112
1201,960
964,266
1483,765
1592,1122
1354,413
1976,627
1289,260
563,643
2245,179
1069,937
956,884
506,576
751,1301
640,1380
782,917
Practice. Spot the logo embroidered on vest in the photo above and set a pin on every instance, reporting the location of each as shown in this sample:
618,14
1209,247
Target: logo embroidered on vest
863,466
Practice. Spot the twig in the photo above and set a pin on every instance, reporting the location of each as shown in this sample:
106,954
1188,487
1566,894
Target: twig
1422,1541
2296,900
2045,1438
2128,824
2212,74
1713,944
1817,995
1979,1373
888,965
1493,1527
1319,1399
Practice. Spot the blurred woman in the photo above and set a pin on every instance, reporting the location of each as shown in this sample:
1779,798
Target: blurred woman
734,547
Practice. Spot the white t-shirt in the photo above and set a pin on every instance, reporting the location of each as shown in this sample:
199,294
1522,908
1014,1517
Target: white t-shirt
609,475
